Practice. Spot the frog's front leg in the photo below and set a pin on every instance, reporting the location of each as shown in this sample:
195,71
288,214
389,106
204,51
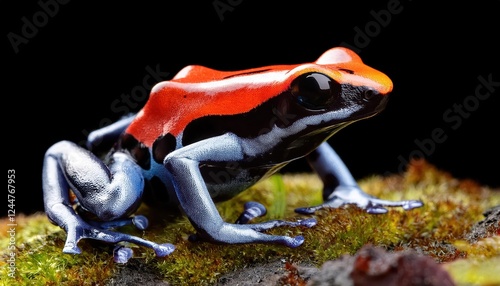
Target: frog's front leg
109,192
194,198
340,187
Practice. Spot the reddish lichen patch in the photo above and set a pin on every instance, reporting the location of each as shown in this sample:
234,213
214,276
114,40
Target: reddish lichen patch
374,266
292,277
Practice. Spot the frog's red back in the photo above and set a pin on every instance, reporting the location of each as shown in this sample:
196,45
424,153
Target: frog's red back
198,91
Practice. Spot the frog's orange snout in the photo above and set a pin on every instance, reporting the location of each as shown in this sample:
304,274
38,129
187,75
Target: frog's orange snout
372,78
383,84
354,71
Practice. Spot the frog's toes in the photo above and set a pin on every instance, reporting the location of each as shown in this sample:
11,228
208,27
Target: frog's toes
379,206
122,254
140,222
252,210
306,211
310,222
375,210
294,242
412,204
162,250
71,248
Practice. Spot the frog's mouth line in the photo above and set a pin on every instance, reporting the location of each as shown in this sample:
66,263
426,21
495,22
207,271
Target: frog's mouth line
328,130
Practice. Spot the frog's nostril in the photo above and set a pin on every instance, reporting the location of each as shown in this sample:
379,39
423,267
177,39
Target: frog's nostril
369,94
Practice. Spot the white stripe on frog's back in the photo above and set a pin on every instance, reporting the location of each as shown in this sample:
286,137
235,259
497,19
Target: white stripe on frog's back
267,141
210,88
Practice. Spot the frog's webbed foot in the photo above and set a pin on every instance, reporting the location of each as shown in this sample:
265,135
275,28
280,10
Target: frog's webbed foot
253,210
121,253
79,229
354,195
340,187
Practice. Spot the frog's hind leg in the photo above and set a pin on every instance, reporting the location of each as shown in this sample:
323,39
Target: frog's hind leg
340,188
109,193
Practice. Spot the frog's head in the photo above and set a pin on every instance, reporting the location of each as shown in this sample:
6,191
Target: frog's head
340,82
336,90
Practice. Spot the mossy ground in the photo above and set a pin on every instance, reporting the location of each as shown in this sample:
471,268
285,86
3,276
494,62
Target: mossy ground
437,229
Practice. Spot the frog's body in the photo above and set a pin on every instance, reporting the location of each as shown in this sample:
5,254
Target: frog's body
207,135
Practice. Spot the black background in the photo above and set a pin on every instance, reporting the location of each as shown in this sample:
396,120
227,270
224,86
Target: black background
64,79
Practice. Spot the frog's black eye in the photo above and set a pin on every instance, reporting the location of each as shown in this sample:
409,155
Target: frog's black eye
315,91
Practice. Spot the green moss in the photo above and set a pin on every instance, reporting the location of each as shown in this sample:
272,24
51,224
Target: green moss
39,260
451,207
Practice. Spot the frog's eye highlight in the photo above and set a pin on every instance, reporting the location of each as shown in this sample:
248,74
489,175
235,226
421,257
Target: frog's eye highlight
315,91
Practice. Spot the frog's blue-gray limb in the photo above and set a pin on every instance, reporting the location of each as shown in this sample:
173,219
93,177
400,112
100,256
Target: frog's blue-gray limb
194,197
110,192
340,188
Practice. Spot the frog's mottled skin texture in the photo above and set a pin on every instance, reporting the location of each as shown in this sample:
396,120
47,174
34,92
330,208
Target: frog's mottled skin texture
207,135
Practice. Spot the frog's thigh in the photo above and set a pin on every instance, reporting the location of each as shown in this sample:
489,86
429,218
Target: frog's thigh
106,192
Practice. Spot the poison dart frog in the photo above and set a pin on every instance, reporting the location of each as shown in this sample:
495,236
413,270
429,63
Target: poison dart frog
206,135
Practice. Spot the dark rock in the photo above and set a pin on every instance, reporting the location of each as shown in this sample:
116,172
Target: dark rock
136,273
487,227
374,266
269,274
